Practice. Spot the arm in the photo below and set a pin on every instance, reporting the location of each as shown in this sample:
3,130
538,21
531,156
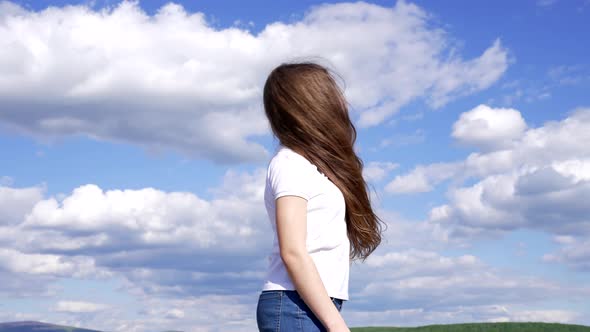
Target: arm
291,216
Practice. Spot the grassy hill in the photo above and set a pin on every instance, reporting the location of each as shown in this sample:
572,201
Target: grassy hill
482,327
30,326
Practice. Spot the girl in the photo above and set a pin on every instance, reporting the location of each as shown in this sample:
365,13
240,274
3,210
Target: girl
316,200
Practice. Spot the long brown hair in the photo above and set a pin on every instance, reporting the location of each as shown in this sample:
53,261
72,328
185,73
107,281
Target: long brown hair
308,113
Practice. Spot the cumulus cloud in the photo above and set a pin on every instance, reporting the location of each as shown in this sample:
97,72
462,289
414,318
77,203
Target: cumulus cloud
569,75
547,316
488,128
25,285
116,219
408,281
172,81
497,132
541,189
163,242
400,140
422,178
375,171
418,287
16,202
18,262
224,313
539,197
459,314
536,178
34,275
427,279
550,144
575,253
172,273
79,306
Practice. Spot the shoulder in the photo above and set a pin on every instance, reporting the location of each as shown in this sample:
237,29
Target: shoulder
285,155
290,174
288,163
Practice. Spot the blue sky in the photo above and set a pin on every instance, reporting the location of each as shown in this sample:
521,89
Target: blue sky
135,146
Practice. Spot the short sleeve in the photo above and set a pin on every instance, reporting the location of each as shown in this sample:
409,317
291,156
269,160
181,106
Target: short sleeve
288,175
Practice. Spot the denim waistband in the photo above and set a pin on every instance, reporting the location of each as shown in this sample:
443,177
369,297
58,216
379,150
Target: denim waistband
295,292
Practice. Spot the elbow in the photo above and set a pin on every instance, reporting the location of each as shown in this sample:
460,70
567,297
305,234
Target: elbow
292,255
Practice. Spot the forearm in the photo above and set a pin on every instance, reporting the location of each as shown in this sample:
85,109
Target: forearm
309,285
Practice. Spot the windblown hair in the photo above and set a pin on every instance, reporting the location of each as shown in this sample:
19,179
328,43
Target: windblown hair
308,113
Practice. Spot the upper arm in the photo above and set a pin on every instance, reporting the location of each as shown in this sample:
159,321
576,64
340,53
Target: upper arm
291,216
289,182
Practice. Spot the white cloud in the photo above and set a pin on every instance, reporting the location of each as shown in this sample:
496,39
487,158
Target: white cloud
16,202
575,253
407,281
19,262
417,137
415,182
459,314
8,9
538,181
563,239
144,217
420,287
171,279
413,261
569,74
559,144
488,128
422,178
534,197
375,171
171,80
547,316
458,79
34,275
231,312
79,306
167,242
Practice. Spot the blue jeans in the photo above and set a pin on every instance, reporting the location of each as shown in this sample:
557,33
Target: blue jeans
285,311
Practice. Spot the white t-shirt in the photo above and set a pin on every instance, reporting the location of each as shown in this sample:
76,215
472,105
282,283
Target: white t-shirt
289,173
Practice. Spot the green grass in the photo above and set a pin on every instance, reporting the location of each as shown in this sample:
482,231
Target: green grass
482,327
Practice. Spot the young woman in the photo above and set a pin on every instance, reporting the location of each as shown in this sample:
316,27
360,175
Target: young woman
317,202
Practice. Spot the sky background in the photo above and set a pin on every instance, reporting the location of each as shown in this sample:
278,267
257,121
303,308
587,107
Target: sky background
134,149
